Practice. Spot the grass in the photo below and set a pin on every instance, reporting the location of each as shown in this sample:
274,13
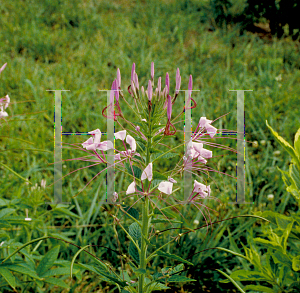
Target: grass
79,46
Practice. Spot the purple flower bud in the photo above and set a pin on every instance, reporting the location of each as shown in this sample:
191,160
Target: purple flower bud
132,70
152,70
190,85
136,80
132,88
178,81
117,90
2,68
149,90
119,77
169,107
143,91
159,84
167,82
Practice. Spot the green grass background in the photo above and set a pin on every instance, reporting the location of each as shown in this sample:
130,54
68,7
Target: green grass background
79,45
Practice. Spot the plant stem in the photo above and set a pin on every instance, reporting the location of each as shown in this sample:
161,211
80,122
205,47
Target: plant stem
146,219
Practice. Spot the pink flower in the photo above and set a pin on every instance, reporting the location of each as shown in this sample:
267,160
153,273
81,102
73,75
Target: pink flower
143,91
201,188
149,91
159,84
165,187
152,70
131,188
120,135
147,173
4,102
2,68
93,144
171,180
167,82
136,80
203,122
131,141
169,108
119,77
178,81
115,197
132,71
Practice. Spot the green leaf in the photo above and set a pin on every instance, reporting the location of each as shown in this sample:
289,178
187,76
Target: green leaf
154,150
177,278
285,236
156,221
135,231
297,143
295,175
61,210
284,144
244,275
131,211
269,244
140,271
137,171
282,141
8,276
296,263
47,261
57,282
164,156
285,177
281,258
232,281
157,175
5,212
59,271
20,269
173,256
155,286
259,288
134,253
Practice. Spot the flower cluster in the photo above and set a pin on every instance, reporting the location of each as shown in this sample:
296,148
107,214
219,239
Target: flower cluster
4,102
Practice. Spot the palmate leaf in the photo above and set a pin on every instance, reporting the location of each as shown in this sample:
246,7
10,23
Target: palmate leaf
134,253
48,260
131,211
8,276
173,256
22,270
137,171
56,282
135,231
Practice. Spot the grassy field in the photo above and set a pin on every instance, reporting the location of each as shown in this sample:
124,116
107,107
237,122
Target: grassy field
78,46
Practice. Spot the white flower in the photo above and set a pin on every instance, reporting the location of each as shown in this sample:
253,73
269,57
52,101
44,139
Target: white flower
131,141
120,135
165,187
147,173
131,188
171,180
270,197
43,183
196,222
115,197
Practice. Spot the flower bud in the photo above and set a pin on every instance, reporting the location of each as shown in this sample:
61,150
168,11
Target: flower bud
196,222
262,142
152,70
270,197
276,153
255,144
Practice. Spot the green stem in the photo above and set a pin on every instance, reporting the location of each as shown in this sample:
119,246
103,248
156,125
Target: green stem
146,219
